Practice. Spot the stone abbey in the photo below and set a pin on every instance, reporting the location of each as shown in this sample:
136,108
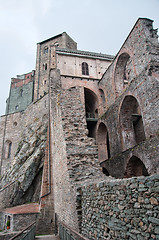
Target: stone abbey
79,141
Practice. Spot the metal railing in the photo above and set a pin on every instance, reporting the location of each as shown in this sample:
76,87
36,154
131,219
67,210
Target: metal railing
27,234
67,233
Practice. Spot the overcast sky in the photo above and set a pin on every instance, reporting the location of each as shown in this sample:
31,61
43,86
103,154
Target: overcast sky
96,25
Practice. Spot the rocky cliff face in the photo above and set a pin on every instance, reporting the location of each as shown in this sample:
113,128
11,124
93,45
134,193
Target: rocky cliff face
26,172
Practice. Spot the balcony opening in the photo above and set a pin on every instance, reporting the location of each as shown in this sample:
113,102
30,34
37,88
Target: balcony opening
91,108
131,124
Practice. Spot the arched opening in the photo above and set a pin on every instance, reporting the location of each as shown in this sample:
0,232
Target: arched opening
91,108
122,72
85,70
103,143
131,124
135,168
8,149
102,95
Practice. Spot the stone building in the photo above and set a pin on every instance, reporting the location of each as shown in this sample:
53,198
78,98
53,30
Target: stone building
80,128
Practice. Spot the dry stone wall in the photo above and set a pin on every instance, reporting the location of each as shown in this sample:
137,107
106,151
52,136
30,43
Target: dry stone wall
121,209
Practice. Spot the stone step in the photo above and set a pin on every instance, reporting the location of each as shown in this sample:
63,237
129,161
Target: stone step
47,237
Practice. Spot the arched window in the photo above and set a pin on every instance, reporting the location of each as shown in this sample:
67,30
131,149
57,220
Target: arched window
8,148
85,70
102,95
103,143
122,72
91,108
135,168
131,124
45,50
45,66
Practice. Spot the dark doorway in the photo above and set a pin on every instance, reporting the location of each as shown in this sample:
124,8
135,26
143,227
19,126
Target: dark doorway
91,108
135,168
103,143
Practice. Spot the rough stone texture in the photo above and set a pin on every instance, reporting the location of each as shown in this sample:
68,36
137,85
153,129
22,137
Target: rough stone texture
18,222
121,209
27,163
82,152
63,191
139,96
74,154
142,48
46,219
119,113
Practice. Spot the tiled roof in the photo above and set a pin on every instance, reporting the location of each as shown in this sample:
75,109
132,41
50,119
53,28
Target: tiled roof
84,53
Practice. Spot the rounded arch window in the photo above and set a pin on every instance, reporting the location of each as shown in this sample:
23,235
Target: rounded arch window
45,50
91,108
102,95
122,72
85,70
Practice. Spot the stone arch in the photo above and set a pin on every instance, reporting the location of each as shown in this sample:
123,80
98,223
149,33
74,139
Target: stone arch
103,143
131,123
135,168
122,72
91,103
91,108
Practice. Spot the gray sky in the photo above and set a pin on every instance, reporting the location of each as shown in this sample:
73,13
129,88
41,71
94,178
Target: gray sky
96,25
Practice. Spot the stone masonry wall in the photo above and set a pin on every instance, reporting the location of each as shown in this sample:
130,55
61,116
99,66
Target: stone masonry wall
74,155
25,166
64,194
9,132
142,48
82,152
20,98
145,89
121,209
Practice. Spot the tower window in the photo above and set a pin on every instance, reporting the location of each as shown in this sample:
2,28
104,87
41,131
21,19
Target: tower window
85,70
45,50
45,66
